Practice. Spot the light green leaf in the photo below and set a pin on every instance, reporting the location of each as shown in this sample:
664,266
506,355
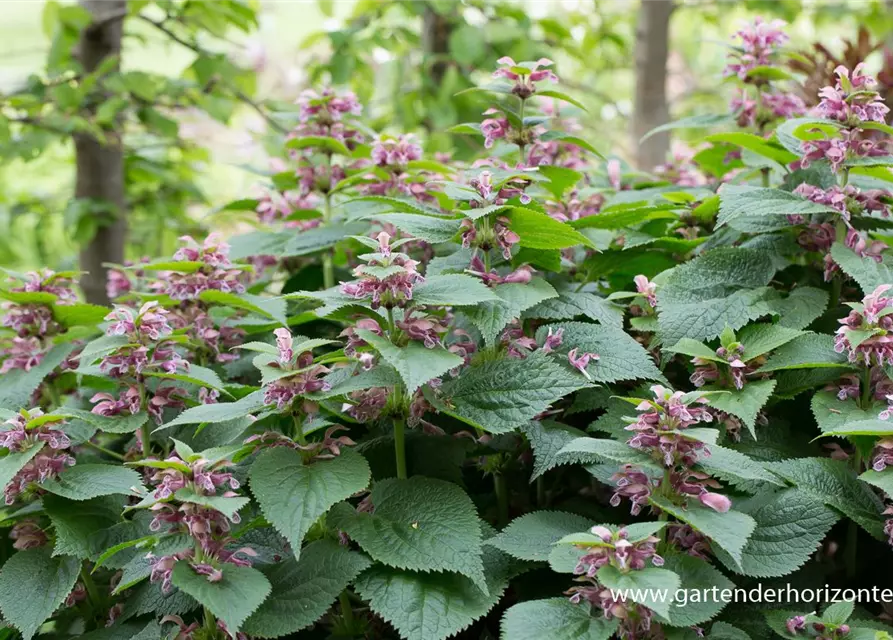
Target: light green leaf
501,395
415,363
652,587
19,385
834,483
273,308
231,599
868,273
227,506
201,376
571,304
738,469
12,462
809,351
220,412
304,590
85,481
883,480
428,228
455,290
745,403
692,122
293,495
32,585
696,575
790,527
555,619
531,536
759,339
419,524
729,530
491,317
695,349
755,143
832,414
541,231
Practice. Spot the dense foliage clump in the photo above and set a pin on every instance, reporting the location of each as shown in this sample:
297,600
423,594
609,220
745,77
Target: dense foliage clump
427,397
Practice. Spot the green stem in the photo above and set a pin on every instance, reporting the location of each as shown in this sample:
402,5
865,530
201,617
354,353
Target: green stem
328,258
502,498
400,447
145,436
392,326
836,286
346,610
765,172
540,492
108,452
96,599
521,133
866,388
299,430
210,622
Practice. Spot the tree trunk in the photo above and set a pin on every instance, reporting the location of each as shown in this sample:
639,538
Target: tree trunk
100,165
436,30
651,109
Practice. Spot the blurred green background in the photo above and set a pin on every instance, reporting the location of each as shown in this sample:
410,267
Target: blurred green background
199,139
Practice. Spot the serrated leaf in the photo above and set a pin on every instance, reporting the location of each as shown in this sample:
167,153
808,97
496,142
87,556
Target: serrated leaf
19,385
724,631
293,495
32,585
738,201
416,363
729,530
587,450
541,231
419,524
232,599
801,307
696,575
424,227
273,308
725,287
694,349
501,395
12,462
809,351
555,619
866,271
883,480
108,424
651,587
85,481
219,412
546,440
201,376
532,536
570,304
834,483
832,413
745,403
304,590
455,290
738,469
790,527
759,339
79,314
755,143
432,606
81,526
491,317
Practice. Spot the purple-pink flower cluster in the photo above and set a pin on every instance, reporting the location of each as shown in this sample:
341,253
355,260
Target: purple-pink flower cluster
872,317
760,41
214,274
49,462
387,278
302,377
524,75
618,552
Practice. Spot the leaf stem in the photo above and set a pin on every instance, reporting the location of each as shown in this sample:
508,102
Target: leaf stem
865,401
540,492
108,452
328,260
96,599
346,610
299,430
400,447
500,488
210,621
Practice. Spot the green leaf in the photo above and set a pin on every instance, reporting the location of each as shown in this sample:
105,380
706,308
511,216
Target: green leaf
871,427
293,495
232,599
834,483
801,307
692,122
626,215
745,403
19,385
432,606
696,575
759,339
82,527
651,587
532,536
427,228
756,144
455,290
742,201
540,231
571,304
419,524
220,412
273,308
201,376
738,469
79,314
326,143
12,462
620,356
32,585
501,395
415,363
868,273
555,619
790,527
838,612
225,505
724,631
832,414
729,530
694,349
491,317
600,450
85,481
108,424
883,480
725,287
547,439
809,351
558,95
304,590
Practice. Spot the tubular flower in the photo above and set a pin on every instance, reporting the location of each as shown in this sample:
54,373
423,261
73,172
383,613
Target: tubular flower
852,100
388,151
634,484
768,108
428,330
581,361
524,75
50,460
27,534
490,194
214,274
617,551
681,169
692,542
759,42
708,370
300,375
148,347
872,317
658,426
647,289
387,278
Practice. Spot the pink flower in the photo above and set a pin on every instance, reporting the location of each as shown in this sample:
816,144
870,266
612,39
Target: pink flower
878,347
715,501
646,288
553,340
525,75
395,152
284,344
759,43
108,405
388,279
22,353
580,362
852,100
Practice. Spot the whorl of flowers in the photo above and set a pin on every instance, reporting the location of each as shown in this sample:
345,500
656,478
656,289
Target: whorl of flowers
429,330
524,75
387,278
759,42
301,375
847,200
819,630
207,526
681,169
215,272
575,206
872,317
147,347
617,551
33,323
27,534
735,368
49,462
852,100
391,151
767,107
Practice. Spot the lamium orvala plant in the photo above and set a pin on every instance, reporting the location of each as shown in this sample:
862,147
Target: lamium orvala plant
534,396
